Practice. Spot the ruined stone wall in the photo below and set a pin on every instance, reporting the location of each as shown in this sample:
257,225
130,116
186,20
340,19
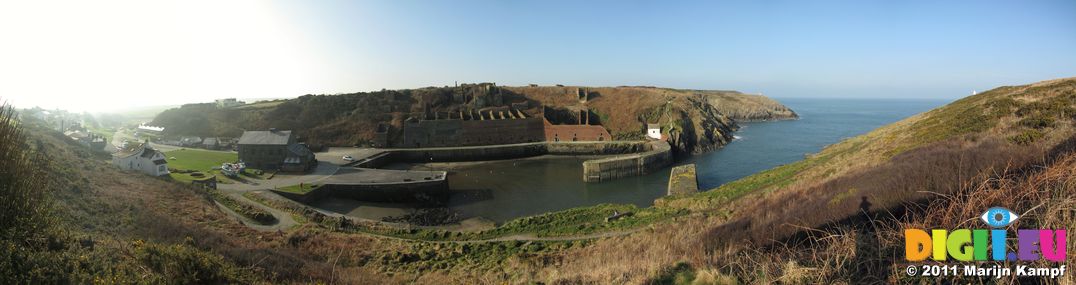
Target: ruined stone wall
493,127
457,132
506,131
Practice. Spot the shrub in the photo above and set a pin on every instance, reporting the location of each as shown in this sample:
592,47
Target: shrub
1027,137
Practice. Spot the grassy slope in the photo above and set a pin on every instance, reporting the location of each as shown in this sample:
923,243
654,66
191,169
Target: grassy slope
121,207
978,114
986,128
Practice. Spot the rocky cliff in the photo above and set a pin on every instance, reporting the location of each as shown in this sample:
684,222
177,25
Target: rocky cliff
693,120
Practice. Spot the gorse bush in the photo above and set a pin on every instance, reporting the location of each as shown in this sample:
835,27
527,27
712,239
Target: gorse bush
24,201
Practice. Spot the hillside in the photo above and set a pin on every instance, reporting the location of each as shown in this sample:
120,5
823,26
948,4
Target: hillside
1013,146
807,223
698,120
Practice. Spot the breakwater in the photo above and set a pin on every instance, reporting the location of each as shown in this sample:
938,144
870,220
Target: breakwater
632,158
659,156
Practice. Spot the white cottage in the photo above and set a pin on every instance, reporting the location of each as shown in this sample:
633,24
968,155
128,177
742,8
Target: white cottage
142,158
653,131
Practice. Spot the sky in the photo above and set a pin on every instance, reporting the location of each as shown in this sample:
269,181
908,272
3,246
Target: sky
112,55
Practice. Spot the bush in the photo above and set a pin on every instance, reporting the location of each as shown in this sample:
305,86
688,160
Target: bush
1027,137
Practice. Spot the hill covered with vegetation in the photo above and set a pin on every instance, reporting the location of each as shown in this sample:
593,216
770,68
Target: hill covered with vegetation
805,222
699,120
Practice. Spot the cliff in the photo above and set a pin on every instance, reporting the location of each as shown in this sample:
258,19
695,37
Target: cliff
694,120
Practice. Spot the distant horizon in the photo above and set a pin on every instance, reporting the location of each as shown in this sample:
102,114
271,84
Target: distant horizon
121,110
101,55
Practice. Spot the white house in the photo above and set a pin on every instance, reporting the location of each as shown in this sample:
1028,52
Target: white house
142,158
228,103
653,131
143,128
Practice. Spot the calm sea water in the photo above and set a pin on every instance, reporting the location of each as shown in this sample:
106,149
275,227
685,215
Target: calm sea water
503,190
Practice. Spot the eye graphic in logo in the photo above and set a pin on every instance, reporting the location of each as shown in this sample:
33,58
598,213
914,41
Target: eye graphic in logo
998,217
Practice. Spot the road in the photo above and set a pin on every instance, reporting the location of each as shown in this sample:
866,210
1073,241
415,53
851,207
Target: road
322,171
121,136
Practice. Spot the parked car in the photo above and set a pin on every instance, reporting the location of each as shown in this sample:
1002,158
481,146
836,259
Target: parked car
349,158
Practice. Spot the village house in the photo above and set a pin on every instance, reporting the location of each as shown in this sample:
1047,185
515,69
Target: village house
653,131
274,149
87,139
228,103
147,129
190,141
211,143
142,158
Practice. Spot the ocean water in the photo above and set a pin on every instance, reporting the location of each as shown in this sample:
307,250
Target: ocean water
503,190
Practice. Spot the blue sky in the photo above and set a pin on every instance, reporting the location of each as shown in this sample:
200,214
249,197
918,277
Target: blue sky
928,49
200,50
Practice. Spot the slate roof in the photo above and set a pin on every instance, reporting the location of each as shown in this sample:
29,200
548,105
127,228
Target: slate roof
265,137
140,150
296,152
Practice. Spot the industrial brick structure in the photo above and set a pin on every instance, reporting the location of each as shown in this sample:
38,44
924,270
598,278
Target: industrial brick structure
492,126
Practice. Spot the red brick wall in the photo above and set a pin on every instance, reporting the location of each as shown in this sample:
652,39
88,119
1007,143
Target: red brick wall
567,133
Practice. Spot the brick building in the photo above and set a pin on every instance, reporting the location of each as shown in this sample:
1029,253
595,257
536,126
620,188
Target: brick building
494,126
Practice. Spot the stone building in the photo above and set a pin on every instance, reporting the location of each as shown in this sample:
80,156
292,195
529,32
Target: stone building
273,150
228,103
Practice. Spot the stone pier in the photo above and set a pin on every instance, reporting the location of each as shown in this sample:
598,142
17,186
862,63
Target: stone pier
658,157
682,180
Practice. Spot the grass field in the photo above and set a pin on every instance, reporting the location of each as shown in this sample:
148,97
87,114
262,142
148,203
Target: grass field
200,160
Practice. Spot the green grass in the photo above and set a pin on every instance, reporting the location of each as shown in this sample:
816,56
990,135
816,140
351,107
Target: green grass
200,160
185,178
306,187
568,223
104,132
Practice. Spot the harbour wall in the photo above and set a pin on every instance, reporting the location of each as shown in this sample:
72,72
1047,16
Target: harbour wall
431,192
659,156
633,157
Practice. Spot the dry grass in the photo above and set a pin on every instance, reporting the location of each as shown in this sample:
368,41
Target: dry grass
1044,194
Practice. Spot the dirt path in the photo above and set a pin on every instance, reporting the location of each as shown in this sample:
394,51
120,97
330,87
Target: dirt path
515,237
284,219
520,237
